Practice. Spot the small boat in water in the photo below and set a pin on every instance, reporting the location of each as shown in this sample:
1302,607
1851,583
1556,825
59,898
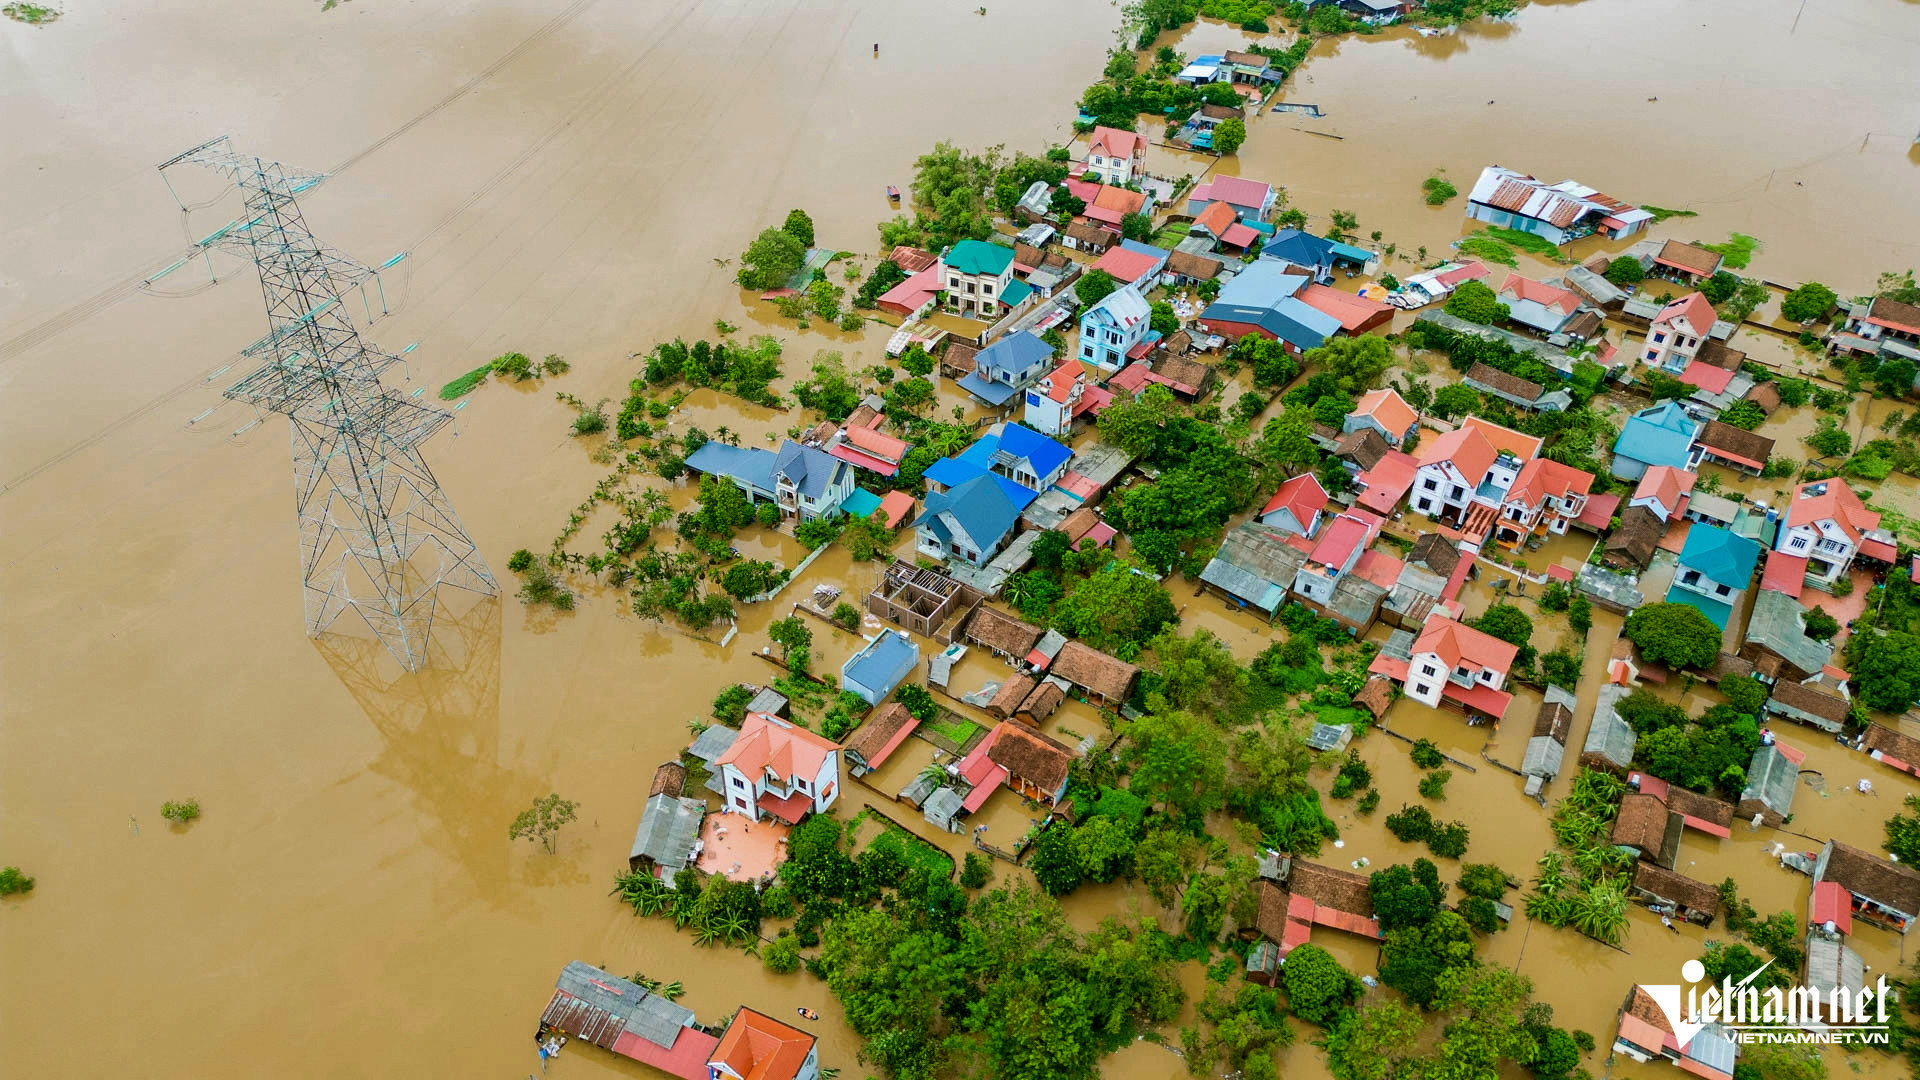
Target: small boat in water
893,193
808,1014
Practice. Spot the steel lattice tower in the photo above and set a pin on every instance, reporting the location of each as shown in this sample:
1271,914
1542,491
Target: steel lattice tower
377,534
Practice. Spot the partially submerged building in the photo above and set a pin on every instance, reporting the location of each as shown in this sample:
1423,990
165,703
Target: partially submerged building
884,663
614,1014
1610,739
1883,891
1547,747
1694,901
1772,776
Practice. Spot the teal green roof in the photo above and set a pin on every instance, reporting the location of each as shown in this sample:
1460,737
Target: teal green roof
979,257
861,504
1721,556
1014,293
1713,609
1351,253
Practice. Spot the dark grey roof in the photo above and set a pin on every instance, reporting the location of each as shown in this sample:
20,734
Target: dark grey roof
1610,737
1771,779
811,471
647,1015
1776,625
1252,563
713,742
668,828
941,806
769,701
1355,600
1547,749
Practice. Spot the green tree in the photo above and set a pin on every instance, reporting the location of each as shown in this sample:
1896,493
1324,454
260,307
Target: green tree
1356,363
1887,674
1134,425
1414,959
915,360
1508,623
1438,190
1744,692
1136,227
782,957
1094,286
1476,303
1455,399
1895,377
1287,441
1318,988
1228,135
1899,286
1102,848
772,258
1179,762
543,820
1819,625
1052,860
1197,672
976,871
790,633
14,882
1163,321
1114,608
800,227
1676,634
1829,439
1344,223
1406,896
1625,270
1808,302
1371,1043
1164,860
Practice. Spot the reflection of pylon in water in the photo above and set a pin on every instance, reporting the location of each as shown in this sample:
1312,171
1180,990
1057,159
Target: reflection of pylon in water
377,535
440,733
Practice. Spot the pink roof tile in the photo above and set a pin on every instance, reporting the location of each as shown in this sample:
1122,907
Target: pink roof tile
1707,377
1114,143
1234,189
1240,236
1388,481
1337,542
1388,407
1125,265
1460,645
1131,379
1519,444
1379,567
897,506
864,460
1832,903
1303,495
1599,511
1472,271
1667,484
1693,307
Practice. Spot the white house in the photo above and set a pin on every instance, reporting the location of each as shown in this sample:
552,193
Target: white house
980,279
1828,525
1114,156
1112,328
1296,507
1677,332
1334,553
1063,396
806,483
969,522
776,769
1543,500
1664,491
1452,662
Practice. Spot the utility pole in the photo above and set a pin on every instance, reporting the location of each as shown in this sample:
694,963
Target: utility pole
377,535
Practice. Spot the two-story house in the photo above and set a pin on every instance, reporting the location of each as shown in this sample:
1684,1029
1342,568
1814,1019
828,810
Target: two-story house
980,279
758,1047
776,769
1115,327
1828,525
1385,411
1716,566
1544,499
1664,491
1882,327
1296,508
1678,331
969,522
1006,367
1662,434
1115,156
804,482
1062,398
1339,546
1029,458
1453,663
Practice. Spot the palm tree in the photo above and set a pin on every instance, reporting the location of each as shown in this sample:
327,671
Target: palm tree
670,991
934,773
1019,591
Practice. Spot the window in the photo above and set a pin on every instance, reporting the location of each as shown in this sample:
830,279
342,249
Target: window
1489,676
799,784
1658,338
1086,351
988,289
1799,542
953,283
1458,491
1422,690
1721,590
1653,354
1425,505
1113,336
1429,669
1431,485
1690,577
969,286
739,783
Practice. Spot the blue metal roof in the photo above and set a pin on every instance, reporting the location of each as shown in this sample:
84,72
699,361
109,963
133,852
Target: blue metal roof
881,666
1260,283
993,393
1299,248
811,470
1290,320
749,465
862,503
980,505
1724,557
1024,442
1017,353
1661,435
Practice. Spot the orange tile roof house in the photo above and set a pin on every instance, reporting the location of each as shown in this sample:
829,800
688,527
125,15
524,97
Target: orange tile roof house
1538,305
1664,490
1465,474
1114,155
1544,499
1828,525
776,769
758,1047
1454,663
1679,330
1386,412
1687,262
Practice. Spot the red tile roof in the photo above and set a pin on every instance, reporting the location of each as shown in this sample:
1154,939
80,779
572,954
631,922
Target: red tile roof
1388,481
1543,477
1894,314
1114,143
789,809
1303,495
1240,236
1235,189
1470,271
758,1047
862,459
1354,312
1599,511
1693,307
1217,218
768,743
1379,567
1466,448
1832,903
1838,504
897,506
1338,540
1689,257
1460,645
912,259
1520,445
1525,288
877,444
1124,265
1119,199
1387,407
687,1059
1709,378
1061,379
1667,484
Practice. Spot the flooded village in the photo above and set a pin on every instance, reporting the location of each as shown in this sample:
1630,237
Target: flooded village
1357,539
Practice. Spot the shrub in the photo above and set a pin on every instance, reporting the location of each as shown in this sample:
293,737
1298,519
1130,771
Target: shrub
976,871
543,586
1479,913
1368,803
1580,614
513,365
13,881
1434,785
1411,824
1448,841
1426,755
783,955
730,704
1624,271
918,701
1484,879
1583,1040
519,561
1820,625
846,615
1438,191
180,812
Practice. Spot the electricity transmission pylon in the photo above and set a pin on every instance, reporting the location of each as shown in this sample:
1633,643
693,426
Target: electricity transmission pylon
377,534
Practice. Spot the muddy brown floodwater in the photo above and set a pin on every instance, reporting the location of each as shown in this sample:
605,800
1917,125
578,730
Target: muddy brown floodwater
571,178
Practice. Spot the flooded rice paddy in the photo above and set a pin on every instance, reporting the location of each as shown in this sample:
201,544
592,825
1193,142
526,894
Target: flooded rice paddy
574,178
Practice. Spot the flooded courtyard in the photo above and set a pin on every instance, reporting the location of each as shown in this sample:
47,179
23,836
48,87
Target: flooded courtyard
576,179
